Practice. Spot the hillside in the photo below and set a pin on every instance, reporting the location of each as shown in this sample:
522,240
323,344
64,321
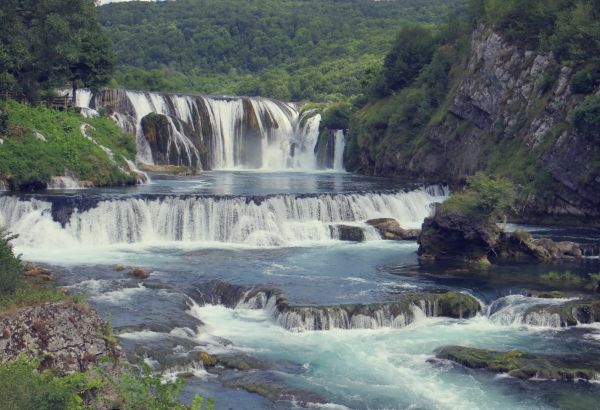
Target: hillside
290,49
41,147
517,97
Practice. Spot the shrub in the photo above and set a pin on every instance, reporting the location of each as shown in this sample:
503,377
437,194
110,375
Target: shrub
586,117
336,117
3,122
23,387
586,80
484,197
10,266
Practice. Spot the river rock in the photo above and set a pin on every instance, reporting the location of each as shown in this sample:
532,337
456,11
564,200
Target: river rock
349,233
522,365
66,333
453,236
139,273
390,229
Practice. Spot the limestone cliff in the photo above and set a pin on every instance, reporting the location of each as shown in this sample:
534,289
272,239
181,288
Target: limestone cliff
507,112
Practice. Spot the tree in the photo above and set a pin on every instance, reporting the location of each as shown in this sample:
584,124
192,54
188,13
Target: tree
45,43
413,50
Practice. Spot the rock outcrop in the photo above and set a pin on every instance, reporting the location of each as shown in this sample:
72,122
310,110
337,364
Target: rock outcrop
390,229
522,365
66,334
509,108
463,238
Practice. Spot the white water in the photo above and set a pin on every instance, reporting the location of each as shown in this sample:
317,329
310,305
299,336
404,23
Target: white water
338,156
513,310
275,221
239,132
375,368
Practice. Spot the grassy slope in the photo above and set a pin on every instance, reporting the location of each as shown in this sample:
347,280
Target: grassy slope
27,161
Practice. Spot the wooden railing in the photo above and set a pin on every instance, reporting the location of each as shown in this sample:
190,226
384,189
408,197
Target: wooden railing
59,103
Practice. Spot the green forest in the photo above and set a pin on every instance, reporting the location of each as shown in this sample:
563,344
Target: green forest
288,49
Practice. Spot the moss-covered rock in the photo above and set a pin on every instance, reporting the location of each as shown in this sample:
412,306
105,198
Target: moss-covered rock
522,365
348,233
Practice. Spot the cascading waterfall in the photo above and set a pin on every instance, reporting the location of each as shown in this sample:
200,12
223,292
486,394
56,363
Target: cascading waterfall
517,310
338,156
237,132
262,221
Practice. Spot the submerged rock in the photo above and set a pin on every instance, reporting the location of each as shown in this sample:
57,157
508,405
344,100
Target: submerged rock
570,313
522,365
390,229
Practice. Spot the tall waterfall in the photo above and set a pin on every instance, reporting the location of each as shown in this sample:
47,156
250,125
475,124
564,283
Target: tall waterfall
234,132
277,220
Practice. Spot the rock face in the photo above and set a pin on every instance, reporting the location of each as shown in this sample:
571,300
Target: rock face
390,229
67,333
509,102
454,236
173,142
522,365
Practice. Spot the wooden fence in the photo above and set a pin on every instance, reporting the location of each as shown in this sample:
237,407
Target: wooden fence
62,103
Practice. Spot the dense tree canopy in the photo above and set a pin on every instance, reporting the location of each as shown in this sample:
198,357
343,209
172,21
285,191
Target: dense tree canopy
291,49
46,43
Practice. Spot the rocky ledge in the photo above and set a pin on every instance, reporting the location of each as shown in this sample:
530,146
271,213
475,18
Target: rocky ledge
458,237
390,229
522,365
66,334
395,314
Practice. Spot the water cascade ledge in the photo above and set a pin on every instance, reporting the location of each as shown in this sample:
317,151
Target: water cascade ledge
44,221
210,132
395,314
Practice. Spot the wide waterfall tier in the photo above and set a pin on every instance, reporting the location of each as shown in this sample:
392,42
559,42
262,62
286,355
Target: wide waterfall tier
278,220
393,314
216,132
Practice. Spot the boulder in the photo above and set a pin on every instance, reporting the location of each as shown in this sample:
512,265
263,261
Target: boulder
36,275
390,229
348,233
454,236
68,335
139,273
522,365
516,246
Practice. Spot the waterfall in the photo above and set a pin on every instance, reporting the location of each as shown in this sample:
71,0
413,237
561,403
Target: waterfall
338,153
407,309
277,220
518,310
236,132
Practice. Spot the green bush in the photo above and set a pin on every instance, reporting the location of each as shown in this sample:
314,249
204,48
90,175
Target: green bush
336,117
586,117
586,80
23,387
487,198
10,266
3,122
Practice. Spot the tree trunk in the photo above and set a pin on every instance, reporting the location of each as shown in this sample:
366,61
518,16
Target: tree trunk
74,95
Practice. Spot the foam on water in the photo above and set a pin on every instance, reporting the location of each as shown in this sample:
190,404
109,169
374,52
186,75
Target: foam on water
280,220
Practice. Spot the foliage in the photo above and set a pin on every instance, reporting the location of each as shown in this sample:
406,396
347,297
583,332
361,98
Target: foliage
484,197
23,387
586,117
569,28
44,44
10,265
26,295
3,121
293,50
586,80
412,50
27,162
566,278
336,117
